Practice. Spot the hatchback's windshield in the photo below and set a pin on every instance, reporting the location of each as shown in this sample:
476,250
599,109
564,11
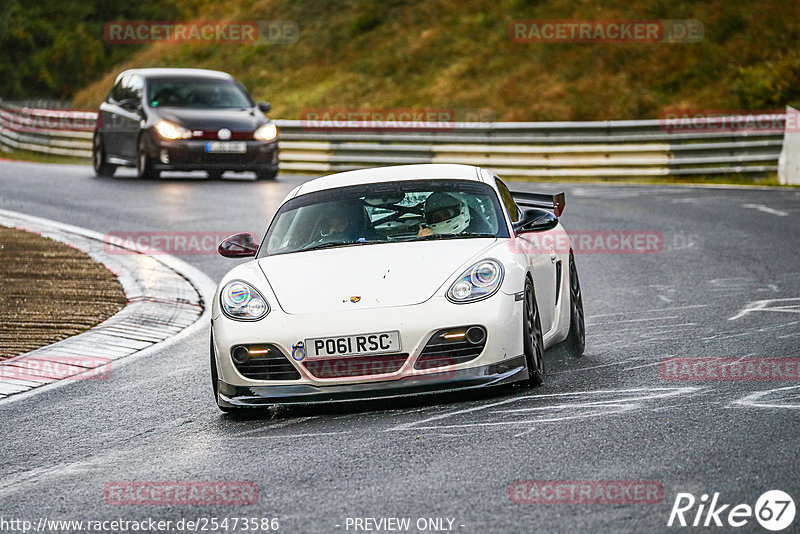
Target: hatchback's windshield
386,212
196,93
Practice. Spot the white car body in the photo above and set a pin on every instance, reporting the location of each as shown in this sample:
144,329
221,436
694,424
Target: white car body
389,287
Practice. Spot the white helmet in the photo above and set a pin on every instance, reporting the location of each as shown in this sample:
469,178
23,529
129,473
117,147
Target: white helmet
446,214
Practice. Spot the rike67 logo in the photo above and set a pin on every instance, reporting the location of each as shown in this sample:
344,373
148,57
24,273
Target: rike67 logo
774,510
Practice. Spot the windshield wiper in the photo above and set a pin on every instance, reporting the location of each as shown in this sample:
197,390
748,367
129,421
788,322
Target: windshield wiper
339,244
452,236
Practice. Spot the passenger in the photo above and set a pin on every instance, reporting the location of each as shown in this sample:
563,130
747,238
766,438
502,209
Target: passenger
444,214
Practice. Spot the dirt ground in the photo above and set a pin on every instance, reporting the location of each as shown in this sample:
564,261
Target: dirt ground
49,291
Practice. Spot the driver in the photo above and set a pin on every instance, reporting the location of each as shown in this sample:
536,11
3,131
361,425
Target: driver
444,214
343,223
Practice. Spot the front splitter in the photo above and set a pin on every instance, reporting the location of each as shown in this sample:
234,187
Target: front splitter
496,374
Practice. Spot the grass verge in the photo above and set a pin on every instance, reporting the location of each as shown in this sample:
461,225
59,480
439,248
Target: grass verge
40,157
50,291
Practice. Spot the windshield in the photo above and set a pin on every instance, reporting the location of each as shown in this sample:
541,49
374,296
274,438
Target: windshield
196,93
386,212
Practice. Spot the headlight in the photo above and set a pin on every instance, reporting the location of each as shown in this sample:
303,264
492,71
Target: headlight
242,302
268,132
169,130
480,281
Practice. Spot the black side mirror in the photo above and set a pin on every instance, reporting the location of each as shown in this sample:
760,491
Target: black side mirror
535,220
238,246
264,107
130,104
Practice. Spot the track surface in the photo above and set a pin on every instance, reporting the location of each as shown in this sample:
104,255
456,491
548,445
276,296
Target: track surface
606,416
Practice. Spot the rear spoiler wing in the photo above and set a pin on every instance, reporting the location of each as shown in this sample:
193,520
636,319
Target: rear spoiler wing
539,200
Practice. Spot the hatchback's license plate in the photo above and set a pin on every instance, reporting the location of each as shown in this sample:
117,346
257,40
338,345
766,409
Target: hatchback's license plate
226,148
357,345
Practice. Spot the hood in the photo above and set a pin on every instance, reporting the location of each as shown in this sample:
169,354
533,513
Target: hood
383,275
236,120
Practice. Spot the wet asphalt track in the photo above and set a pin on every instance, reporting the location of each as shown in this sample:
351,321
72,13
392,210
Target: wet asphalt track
606,416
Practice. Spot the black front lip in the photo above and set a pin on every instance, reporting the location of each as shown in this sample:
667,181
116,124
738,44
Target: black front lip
496,374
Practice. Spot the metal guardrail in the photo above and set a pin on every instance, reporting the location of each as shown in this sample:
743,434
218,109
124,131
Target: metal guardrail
637,148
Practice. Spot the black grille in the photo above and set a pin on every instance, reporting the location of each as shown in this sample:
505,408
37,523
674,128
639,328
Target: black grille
264,362
441,351
355,366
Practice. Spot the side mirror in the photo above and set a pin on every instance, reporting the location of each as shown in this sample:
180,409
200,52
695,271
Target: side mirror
238,246
130,104
535,220
264,107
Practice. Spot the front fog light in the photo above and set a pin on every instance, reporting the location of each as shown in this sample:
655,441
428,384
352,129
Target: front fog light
241,301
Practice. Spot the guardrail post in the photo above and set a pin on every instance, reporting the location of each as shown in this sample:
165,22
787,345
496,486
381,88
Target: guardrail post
789,160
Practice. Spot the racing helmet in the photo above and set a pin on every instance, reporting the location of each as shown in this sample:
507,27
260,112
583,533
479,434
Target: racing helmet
446,214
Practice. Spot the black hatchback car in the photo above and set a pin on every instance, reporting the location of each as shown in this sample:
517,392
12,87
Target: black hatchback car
183,119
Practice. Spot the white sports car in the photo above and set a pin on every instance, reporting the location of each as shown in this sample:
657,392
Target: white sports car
393,281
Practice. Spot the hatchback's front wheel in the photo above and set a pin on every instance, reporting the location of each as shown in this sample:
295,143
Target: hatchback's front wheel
144,165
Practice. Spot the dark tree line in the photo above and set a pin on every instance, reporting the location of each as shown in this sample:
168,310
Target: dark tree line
52,48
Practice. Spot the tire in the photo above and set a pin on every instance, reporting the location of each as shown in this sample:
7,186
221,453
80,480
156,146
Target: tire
214,383
215,175
144,165
102,169
575,343
532,341
266,174
214,374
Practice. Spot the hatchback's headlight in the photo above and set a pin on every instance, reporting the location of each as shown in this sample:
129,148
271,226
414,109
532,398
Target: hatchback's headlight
268,132
241,301
480,281
170,130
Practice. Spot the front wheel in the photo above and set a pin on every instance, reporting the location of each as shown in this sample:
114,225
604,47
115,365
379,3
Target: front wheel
144,165
532,340
102,169
266,174
215,382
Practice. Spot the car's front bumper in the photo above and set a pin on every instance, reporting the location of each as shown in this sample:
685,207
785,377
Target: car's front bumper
495,374
500,315
187,155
